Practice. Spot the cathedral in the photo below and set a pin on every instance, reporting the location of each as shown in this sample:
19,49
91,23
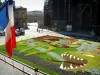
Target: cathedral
73,15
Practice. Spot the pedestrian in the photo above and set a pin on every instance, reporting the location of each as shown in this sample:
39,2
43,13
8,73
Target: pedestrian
36,69
37,30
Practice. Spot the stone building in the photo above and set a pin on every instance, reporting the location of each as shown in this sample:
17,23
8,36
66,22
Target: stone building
36,16
73,15
20,17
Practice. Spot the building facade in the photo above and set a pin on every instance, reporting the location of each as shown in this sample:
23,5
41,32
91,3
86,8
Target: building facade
20,17
36,16
72,15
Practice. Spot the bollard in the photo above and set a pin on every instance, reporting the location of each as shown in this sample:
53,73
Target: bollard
13,64
4,59
23,71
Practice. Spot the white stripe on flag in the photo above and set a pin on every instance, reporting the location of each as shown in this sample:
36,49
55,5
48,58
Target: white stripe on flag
10,23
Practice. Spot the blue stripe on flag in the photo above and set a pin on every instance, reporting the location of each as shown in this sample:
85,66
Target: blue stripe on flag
4,16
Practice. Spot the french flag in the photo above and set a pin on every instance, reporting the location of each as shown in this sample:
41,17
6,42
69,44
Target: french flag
7,24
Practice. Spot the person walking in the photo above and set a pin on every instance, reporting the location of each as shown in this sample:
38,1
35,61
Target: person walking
37,29
36,69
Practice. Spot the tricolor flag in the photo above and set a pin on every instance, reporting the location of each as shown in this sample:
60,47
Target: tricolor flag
7,24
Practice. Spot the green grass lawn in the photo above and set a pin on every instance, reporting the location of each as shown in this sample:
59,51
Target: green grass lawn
29,63
23,47
39,67
27,50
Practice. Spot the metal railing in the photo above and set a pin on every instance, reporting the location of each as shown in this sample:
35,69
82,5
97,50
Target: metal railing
20,66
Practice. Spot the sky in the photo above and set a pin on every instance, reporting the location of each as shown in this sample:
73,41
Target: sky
30,4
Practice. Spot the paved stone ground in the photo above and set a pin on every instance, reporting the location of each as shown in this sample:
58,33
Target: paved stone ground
6,69
30,33
13,66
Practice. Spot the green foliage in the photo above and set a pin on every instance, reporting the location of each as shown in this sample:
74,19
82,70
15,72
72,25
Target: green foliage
24,50
46,70
23,47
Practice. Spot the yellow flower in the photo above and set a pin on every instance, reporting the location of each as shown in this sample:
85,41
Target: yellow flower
50,48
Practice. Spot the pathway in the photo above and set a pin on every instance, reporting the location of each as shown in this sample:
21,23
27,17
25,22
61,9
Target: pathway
13,67
6,69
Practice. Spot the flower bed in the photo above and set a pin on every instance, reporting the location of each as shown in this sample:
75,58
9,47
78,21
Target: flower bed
42,38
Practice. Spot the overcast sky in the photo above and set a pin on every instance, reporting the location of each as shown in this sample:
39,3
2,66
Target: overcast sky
30,4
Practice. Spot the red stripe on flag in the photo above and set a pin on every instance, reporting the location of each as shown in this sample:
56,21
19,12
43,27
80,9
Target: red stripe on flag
11,43
9,48
13,37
